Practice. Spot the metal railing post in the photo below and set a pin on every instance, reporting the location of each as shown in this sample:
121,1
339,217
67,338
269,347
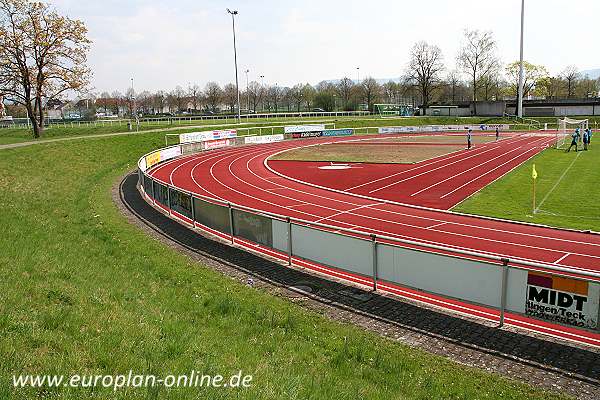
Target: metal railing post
193,212
289,246
503,291
231,230
374,245
169,199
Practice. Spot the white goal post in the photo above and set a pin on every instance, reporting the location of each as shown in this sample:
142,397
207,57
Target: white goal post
566,126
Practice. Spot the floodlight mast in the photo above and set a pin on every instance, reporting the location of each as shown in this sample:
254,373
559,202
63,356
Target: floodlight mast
237,86
520,95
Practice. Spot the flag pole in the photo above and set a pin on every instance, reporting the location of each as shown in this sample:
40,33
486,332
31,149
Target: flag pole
533,195
534,176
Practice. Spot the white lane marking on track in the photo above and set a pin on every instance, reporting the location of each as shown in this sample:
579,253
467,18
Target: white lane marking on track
435,160
470,169
436,225
390,233
428,218
433,170
504,174
482,175
411,226
562,258
298,205
413,216
348,211
474,167
412,238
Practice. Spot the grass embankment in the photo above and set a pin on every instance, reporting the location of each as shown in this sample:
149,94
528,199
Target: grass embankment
567,191
85,292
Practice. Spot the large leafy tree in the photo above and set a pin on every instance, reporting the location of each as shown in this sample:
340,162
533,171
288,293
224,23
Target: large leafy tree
42,56
532,75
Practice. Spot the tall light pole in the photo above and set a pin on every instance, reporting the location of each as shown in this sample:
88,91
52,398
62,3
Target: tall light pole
520,100
237,86
358,75
247,93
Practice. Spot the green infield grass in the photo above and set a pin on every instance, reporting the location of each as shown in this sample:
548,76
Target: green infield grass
567,190
85,292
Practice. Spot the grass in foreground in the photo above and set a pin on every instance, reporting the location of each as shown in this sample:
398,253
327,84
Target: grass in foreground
83,291
567,191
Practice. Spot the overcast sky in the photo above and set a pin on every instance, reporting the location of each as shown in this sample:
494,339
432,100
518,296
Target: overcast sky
168,43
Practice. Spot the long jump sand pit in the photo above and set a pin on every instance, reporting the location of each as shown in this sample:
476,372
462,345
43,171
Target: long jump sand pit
369,152
407,149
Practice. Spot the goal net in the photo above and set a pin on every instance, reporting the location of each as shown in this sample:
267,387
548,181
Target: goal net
392,110
566,127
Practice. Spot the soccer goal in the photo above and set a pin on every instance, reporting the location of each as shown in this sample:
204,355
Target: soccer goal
566,126
392,110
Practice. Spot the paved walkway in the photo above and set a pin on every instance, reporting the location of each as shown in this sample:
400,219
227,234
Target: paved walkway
102,135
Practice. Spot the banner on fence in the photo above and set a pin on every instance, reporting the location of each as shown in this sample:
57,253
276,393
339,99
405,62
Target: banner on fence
162,155
338,132
442,128
263,139
207,135
217,144
562,300
299,135
303,128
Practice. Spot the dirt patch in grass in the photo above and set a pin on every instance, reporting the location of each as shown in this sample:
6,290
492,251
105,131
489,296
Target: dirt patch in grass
442,139
369,152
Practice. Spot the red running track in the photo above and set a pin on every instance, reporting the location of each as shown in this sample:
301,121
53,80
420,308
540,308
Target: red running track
240,175
441,182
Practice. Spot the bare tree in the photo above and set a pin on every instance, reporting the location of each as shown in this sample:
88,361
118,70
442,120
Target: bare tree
571,76
213,95
477,57
129,101
195,95
274,94
230,96
453,82
255,92
371,90
425,68
42,56
345,91
296,96
308,95
159,101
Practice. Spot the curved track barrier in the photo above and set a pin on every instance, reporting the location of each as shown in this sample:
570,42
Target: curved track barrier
550,299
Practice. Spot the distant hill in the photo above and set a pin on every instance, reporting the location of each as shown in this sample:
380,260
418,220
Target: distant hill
591,73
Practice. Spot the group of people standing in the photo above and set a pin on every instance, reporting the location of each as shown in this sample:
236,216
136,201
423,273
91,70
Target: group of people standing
587,139
470,137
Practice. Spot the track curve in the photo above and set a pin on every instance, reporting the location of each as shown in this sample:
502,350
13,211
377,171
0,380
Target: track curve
240,175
